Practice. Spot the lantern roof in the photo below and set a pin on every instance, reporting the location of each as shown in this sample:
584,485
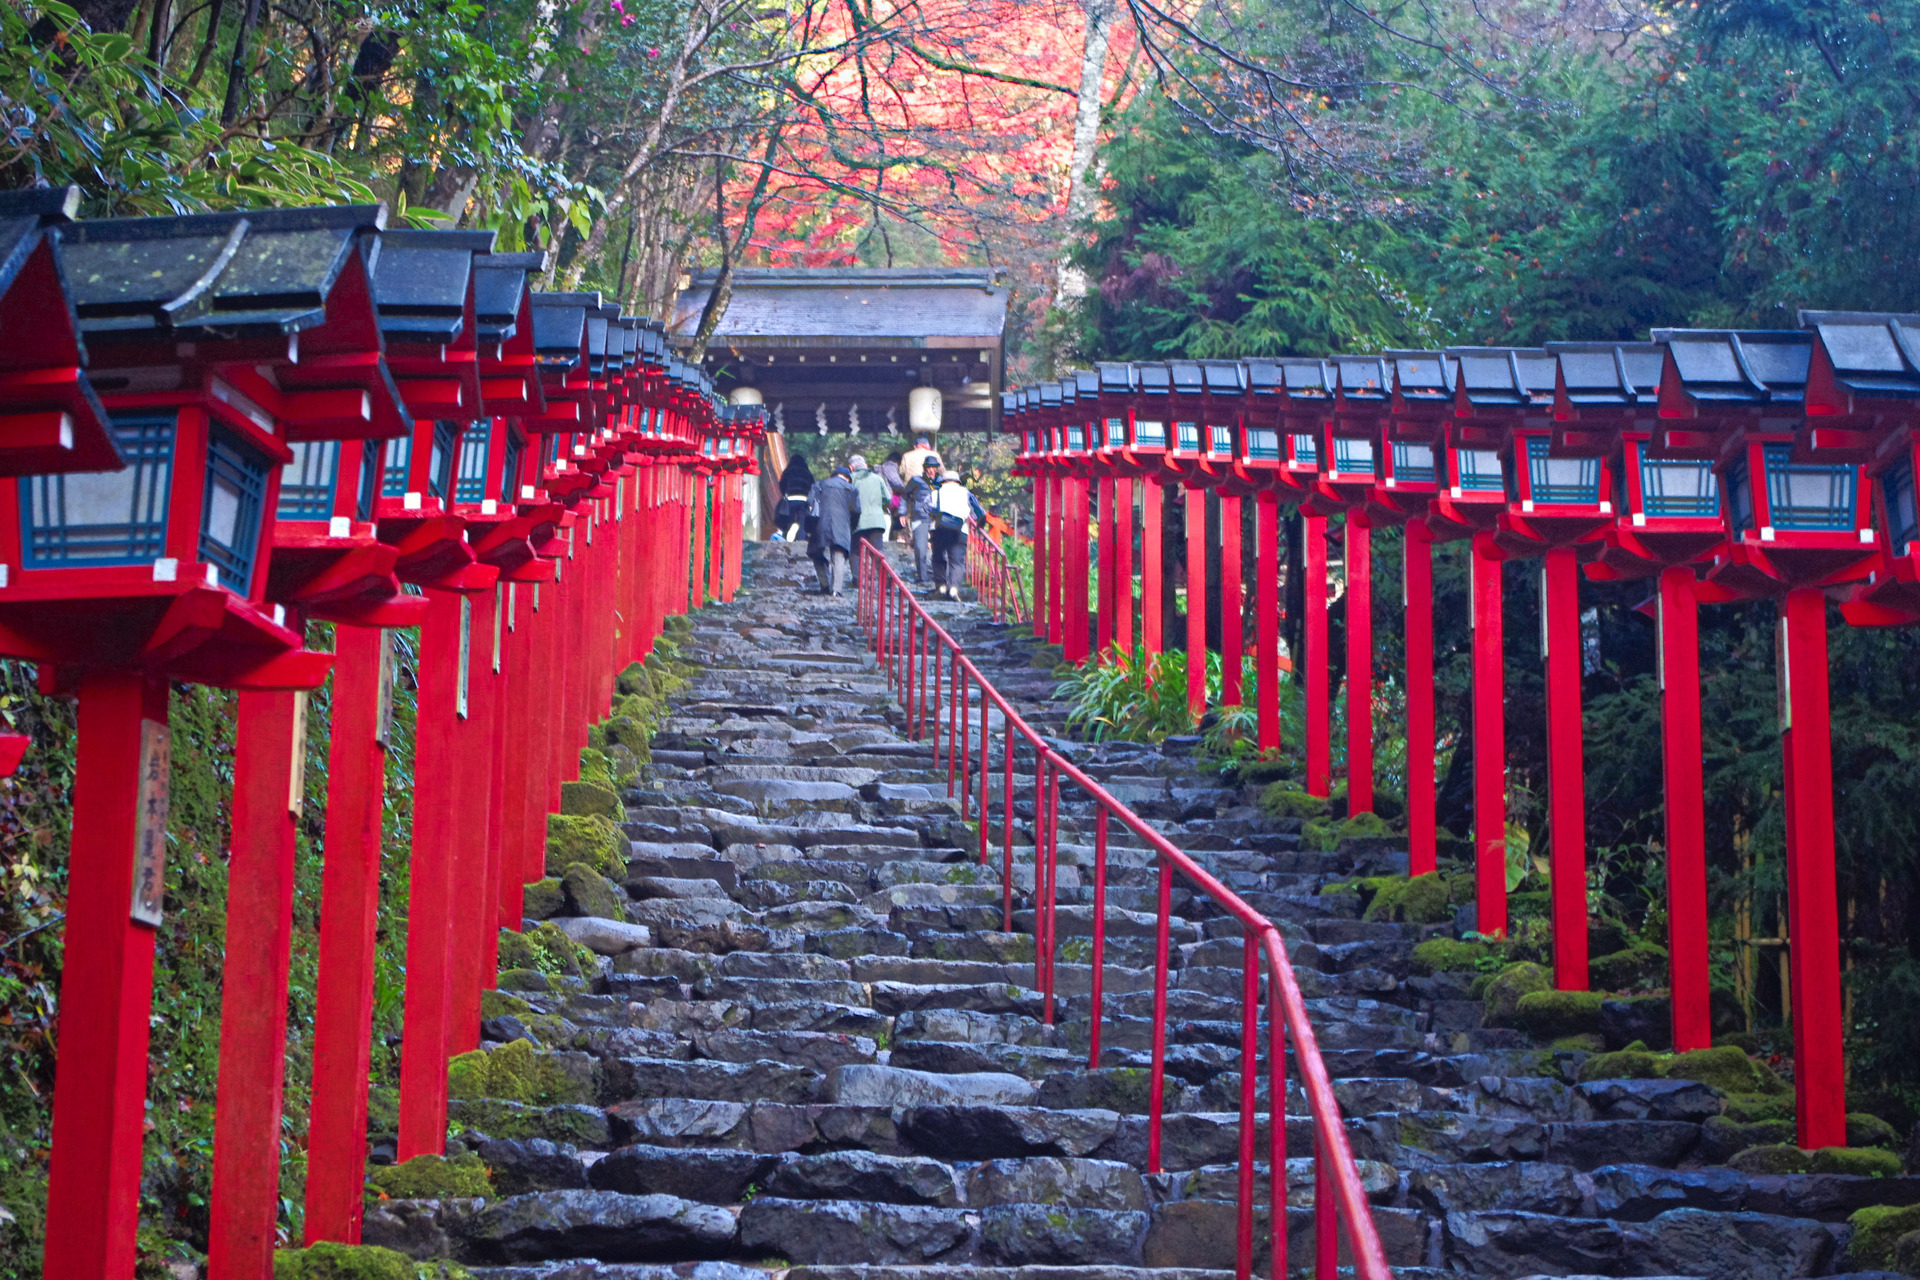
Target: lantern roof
1116,377
256,273
423,282
1309,377
1188,380
1086,383
1009,403
1050,396
1224,377
45,205
40,336
1265,379
1422,376
1873,355
1155,378
500,294
1497,377
560,327
1363,378
1600,374
1725,366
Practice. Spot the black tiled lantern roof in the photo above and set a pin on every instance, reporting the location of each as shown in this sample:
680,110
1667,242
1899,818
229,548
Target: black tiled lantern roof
46,205
40,332
1497,377
499,288
560,325
1761,366
1874,355
1609,373
422,282
259,273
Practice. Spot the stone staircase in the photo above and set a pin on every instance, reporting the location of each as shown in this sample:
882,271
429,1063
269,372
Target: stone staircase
820,1053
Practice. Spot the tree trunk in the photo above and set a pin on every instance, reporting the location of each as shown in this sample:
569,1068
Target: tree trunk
1070,282
237,67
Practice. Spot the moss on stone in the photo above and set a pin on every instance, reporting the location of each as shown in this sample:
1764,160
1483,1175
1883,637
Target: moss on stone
1724,1067
1366,825
529,957
591,839
498,1004
1551,1014
1779,1157
1751,1108
633,679
1726,1135
1047,657
589,893
383,1109
327,1260
584,1126
1634,1062
594,766
1861,1162
1641,962
1420,900
1864,1130
542,899
1286,800
1504,990
1906,1254
512,1073
432,1178
1583,1042
630,733
1877,1230
1319,836
581,799
467,1075
1264,773
1449,955
1533,905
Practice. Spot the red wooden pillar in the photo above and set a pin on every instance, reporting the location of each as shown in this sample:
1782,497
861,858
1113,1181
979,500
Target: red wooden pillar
575,640
1566,783
1678,659
349,906
1123,564
1232,601
543,787
1421,745
269,745
1359,557
1078,560
1819,1065
106,987
1056,561
475,877
1152,584
1109,592
1266,618
1196,602
436,793
698,597
1042,528
517,722
1489,741
1313,532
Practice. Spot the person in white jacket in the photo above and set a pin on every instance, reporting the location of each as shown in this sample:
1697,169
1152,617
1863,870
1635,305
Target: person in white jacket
953,507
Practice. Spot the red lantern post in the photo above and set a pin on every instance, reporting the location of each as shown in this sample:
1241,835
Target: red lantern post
1114,389
1183,460
1310,387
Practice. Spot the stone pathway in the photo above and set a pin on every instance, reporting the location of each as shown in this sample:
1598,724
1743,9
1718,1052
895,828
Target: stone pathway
829,1058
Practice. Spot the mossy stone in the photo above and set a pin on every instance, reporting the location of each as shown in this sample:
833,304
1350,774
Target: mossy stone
594,766
1319,836
433,1178
1048,657
591,894
383,1109
1861,1162
517,953
1552,1014
1724,1067
542,899
467,1075
1877,1230
1641,962
1634,1062
1364,826
523,979
1581,1042
581,799
584,1126
512,1073
1751,1108
633,679
1504,991
1726,1135
627,732
596,736
1449,955
1264,773
1287,800
327,1260
1906,1254
1533,905
498,1004
589,838
1425,900
1864,1130
1779,1157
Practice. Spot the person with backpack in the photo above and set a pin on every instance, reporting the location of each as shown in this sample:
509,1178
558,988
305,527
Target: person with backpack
953,507
871,517
920,516
830,544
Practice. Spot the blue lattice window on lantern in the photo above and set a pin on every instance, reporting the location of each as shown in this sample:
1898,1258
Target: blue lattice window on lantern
446,436
1479,470
1677,489
370,471
1412,463
230,509
510,473
1186,437
1808,495
1306,451
1220,439
393,479
1076,441
550,456
1116,433
1739,497
470,480
1263,444
1148,434
307,483
1574,481
1903,514
104,517
1352,456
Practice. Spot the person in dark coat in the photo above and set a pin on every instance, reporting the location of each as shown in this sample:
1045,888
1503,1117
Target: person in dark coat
796,489
834,502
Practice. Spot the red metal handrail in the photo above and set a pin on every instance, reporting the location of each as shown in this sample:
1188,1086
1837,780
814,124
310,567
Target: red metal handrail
992,576
914,649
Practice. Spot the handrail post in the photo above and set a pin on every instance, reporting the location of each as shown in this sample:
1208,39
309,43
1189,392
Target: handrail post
1099,934
1157,1078
1249,1085
1006,825
985,769
1326,1221
1276,1107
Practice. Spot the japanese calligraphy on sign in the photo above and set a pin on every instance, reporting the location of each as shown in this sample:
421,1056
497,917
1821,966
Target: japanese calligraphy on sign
150,825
